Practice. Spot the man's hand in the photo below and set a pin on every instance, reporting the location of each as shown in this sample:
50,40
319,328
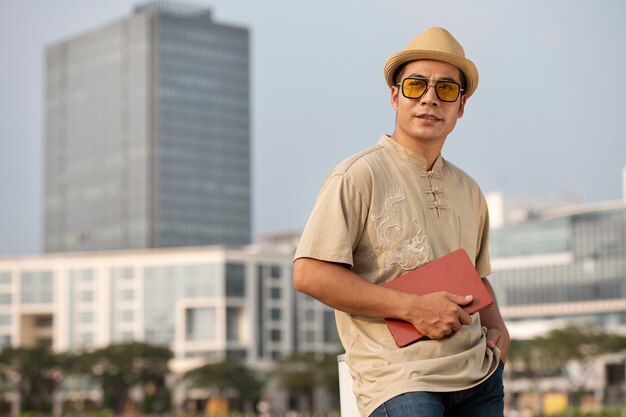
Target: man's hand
499,338
435,315
439,314
497,334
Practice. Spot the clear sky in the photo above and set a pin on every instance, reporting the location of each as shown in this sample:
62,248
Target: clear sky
547,118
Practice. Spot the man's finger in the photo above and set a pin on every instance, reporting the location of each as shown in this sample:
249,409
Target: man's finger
464,318
457,326
460,299
492,338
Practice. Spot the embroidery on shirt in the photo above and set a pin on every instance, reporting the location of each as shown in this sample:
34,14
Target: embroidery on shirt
390,231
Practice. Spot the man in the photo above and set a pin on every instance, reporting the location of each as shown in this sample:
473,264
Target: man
391,209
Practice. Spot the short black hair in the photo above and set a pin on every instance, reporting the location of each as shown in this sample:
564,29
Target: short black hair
400,70
398,73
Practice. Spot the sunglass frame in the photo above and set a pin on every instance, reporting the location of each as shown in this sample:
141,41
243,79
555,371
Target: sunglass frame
428,85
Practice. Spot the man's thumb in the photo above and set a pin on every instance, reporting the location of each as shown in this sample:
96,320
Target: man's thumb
460,299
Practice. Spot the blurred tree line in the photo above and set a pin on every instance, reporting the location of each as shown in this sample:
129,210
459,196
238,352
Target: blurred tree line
569,354
548,355
119,370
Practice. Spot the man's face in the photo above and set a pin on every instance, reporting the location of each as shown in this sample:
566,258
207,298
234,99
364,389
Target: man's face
426,120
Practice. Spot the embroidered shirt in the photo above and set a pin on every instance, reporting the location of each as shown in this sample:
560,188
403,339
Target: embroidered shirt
383,213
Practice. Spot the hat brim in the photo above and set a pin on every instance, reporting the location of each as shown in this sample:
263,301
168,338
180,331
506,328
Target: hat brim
469,69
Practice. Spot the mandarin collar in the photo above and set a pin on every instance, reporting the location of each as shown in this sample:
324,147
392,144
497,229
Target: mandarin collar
410,156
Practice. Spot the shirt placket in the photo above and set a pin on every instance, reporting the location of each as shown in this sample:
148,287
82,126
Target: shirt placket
435,197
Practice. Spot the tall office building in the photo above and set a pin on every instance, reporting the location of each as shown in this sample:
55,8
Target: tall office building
148,134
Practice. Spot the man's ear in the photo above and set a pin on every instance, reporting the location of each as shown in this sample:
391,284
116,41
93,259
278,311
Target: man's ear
394,97
462,105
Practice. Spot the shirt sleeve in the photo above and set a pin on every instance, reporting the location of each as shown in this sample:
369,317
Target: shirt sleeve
336,223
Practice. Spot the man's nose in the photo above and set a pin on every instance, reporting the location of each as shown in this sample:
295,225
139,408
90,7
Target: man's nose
430,96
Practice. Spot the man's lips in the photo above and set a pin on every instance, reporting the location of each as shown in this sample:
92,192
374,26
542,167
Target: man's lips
428,117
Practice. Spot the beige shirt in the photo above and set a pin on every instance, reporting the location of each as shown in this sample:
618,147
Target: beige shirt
383,213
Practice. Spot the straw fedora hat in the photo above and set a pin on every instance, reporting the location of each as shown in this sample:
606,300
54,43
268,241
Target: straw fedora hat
438,44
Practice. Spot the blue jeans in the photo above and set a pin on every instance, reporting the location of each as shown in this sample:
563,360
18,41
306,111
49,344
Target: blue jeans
483,400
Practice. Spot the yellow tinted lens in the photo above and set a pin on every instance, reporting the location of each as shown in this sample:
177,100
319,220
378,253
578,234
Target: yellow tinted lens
447,91
412,88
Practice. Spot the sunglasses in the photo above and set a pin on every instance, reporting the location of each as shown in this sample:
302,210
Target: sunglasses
447,91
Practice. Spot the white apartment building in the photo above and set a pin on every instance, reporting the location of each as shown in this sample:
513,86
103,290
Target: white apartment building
205,303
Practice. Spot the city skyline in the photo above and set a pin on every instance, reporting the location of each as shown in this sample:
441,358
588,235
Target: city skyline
518,138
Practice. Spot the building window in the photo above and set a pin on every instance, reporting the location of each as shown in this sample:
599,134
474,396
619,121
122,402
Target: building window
235,280
84,275
128,294
128,316
36,287
309,315
5,277
122,273
276,335
233,319
201,323
276,314
43,321
200,280
44,342
330,328
275,271
5,341
86,296
5,319
275,293
236,354
86,317
86,339
5,298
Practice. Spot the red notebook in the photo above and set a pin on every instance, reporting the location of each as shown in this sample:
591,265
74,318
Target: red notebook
454,273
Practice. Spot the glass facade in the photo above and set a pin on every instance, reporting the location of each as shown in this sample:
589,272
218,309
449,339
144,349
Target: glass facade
164,286
233,324
36,287
124,302
148,135
201,324
97,139
235,280
83,307
533,238
5,277
203,133
594,268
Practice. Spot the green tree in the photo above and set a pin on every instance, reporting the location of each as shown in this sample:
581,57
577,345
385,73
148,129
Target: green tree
548,355
302,373
120,367
35,372
229,376
568,352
